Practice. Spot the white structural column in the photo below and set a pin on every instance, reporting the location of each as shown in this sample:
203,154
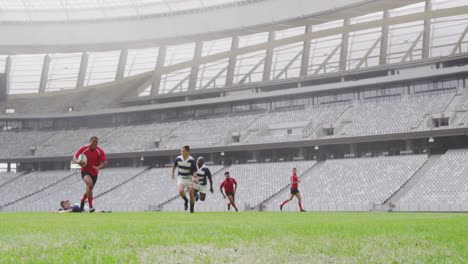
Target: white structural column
344,46
195,68
121,66
426,43
7,73
268,57
156,74
306,54
82,72
44,74
384,41
232,62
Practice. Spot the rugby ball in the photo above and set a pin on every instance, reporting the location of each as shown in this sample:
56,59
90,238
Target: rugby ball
82,157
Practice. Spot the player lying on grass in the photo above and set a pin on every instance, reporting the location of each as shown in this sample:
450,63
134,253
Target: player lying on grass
67,207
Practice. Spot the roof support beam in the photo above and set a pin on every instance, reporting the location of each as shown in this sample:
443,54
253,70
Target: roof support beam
410,50
368,53
179,84
448,12
286,68
157,75
268,58
247,76
44,74
7,73
83,68
122,63
196,67
344,46
207,85
384,41
322,66
459,42
232,61
306,54
426,43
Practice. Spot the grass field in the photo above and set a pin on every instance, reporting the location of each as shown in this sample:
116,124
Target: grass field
234,238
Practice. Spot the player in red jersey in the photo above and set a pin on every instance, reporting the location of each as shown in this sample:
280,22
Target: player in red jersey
230,188
96,160
294,191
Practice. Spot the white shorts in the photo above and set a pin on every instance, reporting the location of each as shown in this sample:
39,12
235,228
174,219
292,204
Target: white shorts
200,188
186,182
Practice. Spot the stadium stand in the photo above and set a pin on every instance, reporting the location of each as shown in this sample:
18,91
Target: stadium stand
445,183
18,144
364,118
7,176
207,132
393,115
137,138
29,184
60,144
352,184
307,120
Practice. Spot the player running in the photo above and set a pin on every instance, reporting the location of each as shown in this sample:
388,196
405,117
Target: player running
230,188
96,161
187,174
200,185
294,191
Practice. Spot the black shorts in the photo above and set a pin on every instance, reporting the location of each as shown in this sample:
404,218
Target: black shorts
93,178
294,191
230,193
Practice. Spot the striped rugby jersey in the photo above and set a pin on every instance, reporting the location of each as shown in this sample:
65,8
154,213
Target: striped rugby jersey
186,168
202,174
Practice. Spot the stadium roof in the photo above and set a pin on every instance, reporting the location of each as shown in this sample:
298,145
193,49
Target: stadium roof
65,10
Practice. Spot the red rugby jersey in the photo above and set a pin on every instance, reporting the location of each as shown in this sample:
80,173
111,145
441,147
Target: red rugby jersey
294,179
228,185
94,158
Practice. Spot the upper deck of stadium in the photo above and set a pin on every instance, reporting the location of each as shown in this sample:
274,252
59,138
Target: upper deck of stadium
184,55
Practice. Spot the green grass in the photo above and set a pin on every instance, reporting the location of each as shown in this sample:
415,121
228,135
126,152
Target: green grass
234,238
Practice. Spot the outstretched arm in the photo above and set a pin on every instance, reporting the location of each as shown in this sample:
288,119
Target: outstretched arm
173,169
211,184
221,190
208,174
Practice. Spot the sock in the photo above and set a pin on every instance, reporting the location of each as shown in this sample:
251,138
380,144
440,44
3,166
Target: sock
300,206
84,198
233,205
90,202
284,202
185,199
